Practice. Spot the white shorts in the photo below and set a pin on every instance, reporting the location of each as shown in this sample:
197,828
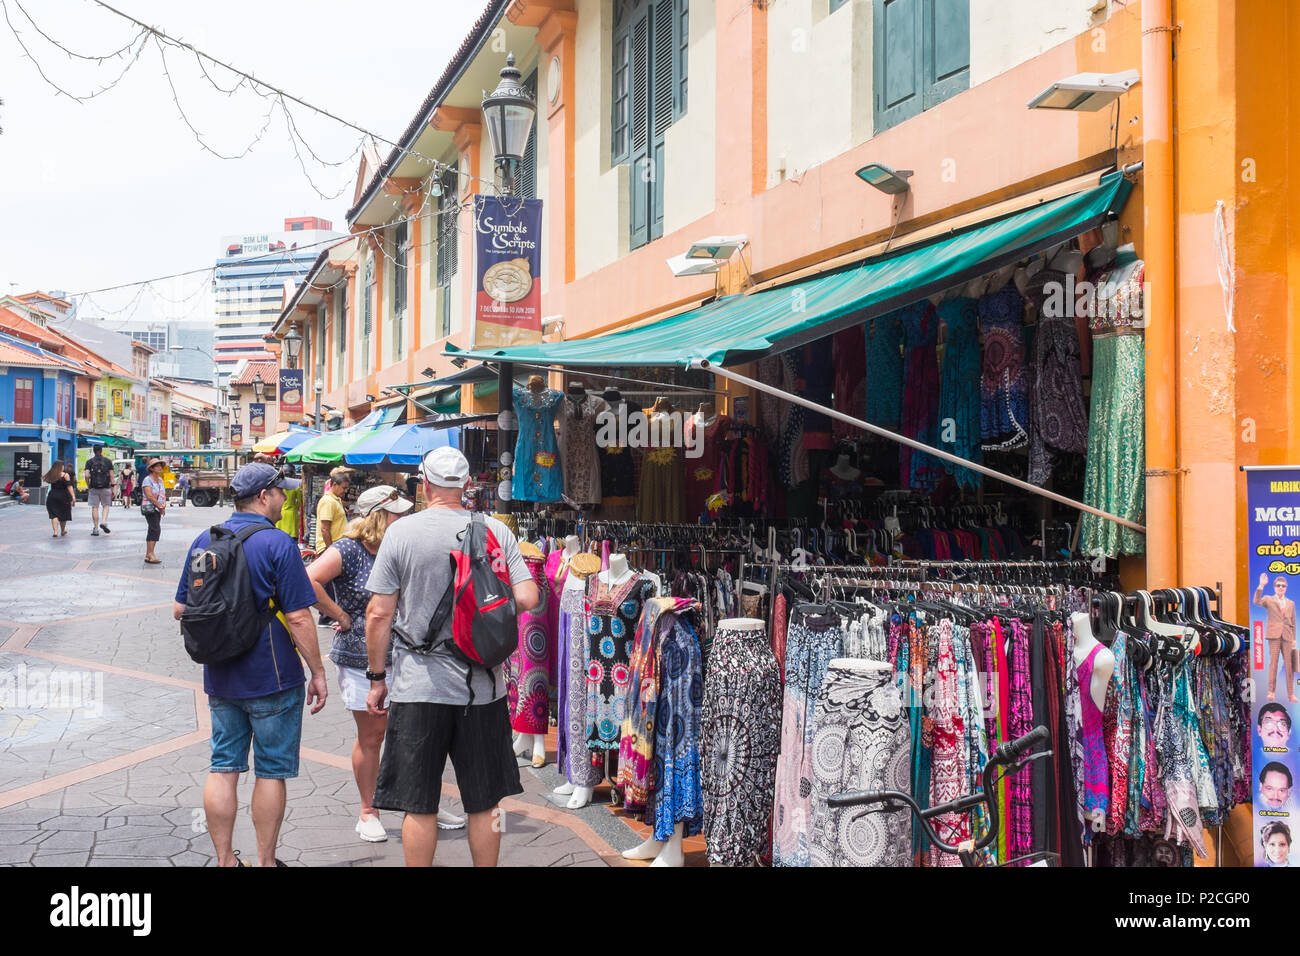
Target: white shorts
354,688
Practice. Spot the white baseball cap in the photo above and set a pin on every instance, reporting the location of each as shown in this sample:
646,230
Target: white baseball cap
446,467
385,498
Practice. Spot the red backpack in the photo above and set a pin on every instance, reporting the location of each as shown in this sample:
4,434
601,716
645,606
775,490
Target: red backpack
481,602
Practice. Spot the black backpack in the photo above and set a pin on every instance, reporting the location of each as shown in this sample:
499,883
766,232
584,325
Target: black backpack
222,619
101,472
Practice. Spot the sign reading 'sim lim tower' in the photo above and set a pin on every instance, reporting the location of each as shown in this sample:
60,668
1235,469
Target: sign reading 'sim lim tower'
507,271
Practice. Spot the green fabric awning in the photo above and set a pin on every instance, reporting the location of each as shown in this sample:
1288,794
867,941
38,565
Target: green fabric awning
741,328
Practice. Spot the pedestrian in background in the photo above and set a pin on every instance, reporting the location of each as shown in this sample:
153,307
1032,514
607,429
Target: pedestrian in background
117,486
183,485
99,489
58,503
258,696
441,707
331,515
128,487
153,505
346,565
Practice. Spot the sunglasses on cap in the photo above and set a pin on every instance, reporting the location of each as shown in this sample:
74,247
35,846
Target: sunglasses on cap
275,479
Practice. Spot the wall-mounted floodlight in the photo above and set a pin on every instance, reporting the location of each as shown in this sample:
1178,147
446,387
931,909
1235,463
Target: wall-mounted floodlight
684,265
716,247
884,178
1086,92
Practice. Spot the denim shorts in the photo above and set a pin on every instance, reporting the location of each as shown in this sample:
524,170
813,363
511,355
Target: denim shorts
273,722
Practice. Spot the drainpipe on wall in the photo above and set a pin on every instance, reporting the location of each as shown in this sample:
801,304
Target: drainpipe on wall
1162,542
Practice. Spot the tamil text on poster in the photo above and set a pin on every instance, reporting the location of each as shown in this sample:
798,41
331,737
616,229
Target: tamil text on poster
1273,505
508,263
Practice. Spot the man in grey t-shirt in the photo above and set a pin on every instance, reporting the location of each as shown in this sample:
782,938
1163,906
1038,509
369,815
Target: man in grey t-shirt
431,715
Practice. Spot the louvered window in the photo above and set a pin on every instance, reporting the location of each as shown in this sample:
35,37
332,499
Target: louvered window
528,169
649,95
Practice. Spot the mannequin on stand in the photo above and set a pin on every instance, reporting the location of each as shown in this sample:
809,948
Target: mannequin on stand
843,469
573,759
525,743
1089,650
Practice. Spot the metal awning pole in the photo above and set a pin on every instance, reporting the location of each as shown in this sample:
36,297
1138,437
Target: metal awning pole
912,443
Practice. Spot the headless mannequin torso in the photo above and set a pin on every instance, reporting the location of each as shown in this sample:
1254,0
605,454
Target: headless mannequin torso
1103,666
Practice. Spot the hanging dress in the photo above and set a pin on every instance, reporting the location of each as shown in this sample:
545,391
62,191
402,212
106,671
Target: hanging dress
862,742
1058,415
884,399
528,685
612,615
1115,476
849,359
741,721
1004,387
578,451
678,797
921,395
617,469
660,498
538,474
572,757
959,402
702,471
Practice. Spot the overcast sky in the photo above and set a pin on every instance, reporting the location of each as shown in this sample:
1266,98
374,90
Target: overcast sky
118,189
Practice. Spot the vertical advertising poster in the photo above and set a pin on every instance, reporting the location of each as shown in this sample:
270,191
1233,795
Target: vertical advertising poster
117,403
1273,506
257,418
236,435
508,263
291,380
162,427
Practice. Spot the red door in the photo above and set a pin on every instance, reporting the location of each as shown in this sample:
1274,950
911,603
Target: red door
23,391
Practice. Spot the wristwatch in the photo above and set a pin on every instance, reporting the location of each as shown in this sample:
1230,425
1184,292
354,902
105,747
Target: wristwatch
372,676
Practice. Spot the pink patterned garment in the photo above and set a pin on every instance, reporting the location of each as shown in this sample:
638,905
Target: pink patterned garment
948,769
528,684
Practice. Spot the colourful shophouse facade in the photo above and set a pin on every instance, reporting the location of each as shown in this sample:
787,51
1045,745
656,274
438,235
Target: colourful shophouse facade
755,124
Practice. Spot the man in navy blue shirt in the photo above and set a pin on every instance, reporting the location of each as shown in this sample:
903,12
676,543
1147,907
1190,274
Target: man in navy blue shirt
259,696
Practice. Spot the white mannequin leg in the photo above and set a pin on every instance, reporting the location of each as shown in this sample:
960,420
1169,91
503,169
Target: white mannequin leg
539,749
522,743
672,853
581,797
564,789
648,850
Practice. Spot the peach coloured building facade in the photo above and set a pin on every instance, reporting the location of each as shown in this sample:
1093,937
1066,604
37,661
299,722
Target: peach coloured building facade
777,105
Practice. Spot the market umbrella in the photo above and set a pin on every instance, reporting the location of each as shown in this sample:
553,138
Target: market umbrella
328,449
282,442
406,445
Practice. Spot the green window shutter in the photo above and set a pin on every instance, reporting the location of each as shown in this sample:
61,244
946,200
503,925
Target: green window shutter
897,61
947,49
528,171
682,47
620,122
642,174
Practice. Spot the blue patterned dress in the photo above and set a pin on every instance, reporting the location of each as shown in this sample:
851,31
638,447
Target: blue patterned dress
958,401
678,797
1004,388
538,474
612,615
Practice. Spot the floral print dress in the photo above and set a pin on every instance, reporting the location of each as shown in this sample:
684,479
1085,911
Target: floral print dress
612,615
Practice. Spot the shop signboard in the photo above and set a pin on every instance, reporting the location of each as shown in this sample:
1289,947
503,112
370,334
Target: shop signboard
257,418
291,380
1273,565
117,403
27,469
508,262
236,435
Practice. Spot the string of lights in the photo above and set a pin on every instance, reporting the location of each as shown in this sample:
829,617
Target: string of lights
141,38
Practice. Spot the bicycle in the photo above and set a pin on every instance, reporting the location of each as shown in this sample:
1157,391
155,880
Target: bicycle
968,851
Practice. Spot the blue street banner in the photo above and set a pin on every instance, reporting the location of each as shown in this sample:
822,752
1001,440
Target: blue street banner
236,435
257,418
291,380
508,266
1273,568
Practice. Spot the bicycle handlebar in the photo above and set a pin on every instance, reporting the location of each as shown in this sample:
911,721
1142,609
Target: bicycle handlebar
1005,755
1012,750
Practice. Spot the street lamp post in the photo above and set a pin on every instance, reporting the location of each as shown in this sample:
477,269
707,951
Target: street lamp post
293,345
259,386
508,114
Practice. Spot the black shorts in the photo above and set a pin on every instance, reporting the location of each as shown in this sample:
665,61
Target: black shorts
419,739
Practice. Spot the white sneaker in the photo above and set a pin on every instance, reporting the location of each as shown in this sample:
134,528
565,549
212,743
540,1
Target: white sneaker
371,830
449,821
